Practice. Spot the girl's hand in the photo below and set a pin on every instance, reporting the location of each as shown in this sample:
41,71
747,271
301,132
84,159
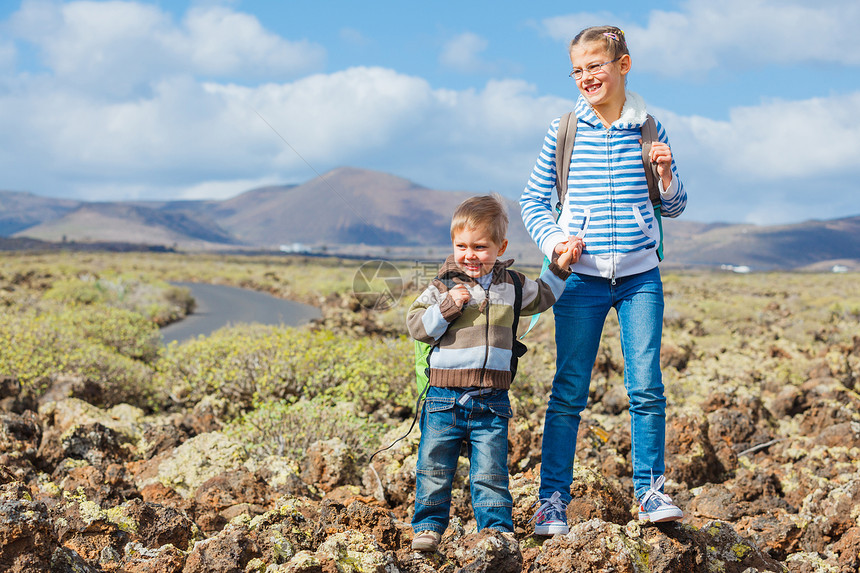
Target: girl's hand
460,294
661,156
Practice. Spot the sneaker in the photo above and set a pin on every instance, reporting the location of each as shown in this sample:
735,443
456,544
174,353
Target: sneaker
656,506
550,517
427,540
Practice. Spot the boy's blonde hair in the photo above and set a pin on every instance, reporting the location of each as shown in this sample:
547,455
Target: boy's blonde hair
485,212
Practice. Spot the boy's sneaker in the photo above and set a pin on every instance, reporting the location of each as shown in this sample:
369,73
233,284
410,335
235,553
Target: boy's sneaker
427,540
656,506
551,516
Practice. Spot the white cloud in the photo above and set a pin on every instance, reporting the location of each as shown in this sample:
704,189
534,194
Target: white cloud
224,43
777,140
224,189
463,54
119,47
186,131
702,34
775,162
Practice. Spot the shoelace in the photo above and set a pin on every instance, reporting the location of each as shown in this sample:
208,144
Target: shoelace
654,491
553,503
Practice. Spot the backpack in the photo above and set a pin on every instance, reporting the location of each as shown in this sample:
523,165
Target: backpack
423,349
563,150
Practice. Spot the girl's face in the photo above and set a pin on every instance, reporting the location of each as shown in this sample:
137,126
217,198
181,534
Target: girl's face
603,87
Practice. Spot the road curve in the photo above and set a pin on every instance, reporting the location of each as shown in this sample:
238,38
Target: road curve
219,305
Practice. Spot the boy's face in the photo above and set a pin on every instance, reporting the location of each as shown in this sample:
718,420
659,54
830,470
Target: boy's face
475,252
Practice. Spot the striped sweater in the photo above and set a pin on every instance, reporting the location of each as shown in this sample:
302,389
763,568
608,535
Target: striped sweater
607,200
473,344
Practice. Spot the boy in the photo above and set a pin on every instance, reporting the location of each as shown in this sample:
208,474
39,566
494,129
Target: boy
469,322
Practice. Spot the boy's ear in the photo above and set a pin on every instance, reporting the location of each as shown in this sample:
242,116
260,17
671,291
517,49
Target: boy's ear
503,247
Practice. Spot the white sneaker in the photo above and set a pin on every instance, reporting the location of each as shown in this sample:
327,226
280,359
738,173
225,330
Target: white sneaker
656,506
551,516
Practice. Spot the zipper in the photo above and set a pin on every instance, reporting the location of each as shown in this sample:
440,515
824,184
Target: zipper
486,336
612,246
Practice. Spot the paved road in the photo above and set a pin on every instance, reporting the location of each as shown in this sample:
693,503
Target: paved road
219,305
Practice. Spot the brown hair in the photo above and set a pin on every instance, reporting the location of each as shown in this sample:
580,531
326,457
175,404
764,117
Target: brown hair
611,37
485,212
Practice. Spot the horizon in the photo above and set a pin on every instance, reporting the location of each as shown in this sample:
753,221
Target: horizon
156,100
293,185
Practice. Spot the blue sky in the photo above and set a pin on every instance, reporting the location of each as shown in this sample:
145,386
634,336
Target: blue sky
156,99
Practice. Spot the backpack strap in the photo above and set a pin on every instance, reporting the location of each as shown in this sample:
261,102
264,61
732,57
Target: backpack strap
517,347
649,136
518,299
563,150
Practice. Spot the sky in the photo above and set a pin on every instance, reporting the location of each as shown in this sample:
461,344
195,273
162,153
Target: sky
205,99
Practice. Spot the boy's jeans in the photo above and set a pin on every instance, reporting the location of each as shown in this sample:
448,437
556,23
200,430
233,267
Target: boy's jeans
579,316
482,422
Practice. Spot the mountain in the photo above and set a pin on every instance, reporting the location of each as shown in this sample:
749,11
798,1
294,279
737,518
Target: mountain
345,206
357,211
119,222
19,211
811,244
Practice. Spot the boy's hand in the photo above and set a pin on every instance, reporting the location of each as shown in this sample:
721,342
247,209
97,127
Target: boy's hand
460,294
569,252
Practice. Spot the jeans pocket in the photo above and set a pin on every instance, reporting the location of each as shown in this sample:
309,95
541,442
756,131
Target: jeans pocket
440,414
501,406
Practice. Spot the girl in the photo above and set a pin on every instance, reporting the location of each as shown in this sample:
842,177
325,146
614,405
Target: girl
607,207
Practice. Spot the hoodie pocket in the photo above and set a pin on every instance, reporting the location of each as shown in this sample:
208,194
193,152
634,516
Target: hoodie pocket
579,221
650,230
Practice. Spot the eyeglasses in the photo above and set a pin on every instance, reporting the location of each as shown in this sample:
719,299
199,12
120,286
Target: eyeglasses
591,69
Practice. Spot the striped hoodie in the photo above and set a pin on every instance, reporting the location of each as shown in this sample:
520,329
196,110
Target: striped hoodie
474,344
607,202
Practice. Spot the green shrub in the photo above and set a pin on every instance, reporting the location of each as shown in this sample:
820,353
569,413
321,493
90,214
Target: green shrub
250,363
282,428
123,331
100,346
155,300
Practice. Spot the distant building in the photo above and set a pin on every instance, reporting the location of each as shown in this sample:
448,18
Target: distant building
740,269
294,248
839,269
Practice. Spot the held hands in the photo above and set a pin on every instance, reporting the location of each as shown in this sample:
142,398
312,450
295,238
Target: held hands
568,253
460,294
661,156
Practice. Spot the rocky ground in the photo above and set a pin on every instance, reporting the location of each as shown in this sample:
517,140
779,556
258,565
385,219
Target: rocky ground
767,473
83,489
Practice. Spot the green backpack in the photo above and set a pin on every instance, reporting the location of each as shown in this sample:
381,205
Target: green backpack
564,148
423,349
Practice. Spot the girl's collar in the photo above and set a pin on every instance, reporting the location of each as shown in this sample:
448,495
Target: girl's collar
633,114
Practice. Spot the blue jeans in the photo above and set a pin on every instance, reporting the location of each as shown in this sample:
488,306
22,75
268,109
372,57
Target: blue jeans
482,423
579,317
